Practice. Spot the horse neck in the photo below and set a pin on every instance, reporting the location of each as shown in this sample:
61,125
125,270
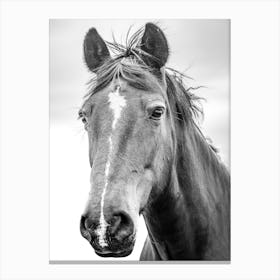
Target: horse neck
194,207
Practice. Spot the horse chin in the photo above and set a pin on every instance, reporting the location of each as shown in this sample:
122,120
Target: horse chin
114,250
116,254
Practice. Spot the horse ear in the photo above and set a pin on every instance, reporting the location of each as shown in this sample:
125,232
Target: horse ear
155,45
95,50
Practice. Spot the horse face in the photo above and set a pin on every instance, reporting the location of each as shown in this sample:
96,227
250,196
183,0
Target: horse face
130,146
130,150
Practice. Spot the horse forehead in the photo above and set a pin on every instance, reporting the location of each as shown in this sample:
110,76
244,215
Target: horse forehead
116,99
123,98
117,102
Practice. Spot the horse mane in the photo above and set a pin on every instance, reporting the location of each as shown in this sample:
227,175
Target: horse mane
127,64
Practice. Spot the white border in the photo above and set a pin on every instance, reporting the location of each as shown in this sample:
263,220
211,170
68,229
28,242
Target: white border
254,128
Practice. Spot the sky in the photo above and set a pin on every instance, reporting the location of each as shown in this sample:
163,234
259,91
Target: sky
198,47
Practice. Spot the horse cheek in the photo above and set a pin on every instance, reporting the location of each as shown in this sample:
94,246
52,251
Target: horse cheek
144,188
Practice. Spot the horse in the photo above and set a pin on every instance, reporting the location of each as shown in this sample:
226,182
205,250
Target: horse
148,156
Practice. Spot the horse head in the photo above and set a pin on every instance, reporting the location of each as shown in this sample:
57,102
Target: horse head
127,119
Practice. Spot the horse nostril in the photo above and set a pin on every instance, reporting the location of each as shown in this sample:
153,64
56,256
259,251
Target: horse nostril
87,224
121,226
115,223
88,227
83,229
82,223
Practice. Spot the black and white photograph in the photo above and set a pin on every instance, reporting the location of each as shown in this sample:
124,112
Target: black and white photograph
139,140
143,106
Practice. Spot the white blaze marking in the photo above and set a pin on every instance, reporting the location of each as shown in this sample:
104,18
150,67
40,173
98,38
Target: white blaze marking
116,104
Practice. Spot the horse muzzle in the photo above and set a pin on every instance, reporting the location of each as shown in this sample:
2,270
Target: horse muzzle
115,240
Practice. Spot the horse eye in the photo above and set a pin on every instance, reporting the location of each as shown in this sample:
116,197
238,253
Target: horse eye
157,113
82,117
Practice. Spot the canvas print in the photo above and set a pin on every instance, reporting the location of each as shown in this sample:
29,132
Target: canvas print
139,140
